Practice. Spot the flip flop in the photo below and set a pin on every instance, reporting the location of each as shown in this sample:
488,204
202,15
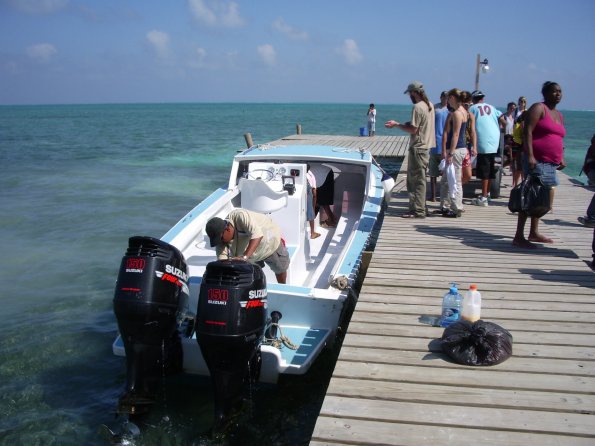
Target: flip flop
314,235
412,216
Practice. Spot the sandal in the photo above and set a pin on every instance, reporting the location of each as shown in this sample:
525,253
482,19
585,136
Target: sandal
452,214
314,235
412,216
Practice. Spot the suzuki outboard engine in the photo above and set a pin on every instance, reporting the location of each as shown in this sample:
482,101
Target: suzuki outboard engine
151,291
231,318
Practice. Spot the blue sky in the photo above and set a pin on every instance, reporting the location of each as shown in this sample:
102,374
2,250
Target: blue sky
114,51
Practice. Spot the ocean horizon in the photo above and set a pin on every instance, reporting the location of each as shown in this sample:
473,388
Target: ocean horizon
359,104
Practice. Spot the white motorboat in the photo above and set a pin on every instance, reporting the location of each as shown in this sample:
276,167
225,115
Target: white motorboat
295,321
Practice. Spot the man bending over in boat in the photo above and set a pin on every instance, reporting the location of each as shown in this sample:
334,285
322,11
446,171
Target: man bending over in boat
252,237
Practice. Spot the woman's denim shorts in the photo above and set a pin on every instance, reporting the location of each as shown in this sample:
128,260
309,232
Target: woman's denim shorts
546,172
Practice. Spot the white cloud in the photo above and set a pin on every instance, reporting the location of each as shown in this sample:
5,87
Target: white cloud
42,52
217,13
280,25
350,51
159,41
267,54
38,6
198,61
201,53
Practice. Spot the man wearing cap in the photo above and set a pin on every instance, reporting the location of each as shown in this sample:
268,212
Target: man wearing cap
488,120
252,237
422,139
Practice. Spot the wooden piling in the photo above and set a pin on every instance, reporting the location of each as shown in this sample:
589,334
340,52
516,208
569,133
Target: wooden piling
248,138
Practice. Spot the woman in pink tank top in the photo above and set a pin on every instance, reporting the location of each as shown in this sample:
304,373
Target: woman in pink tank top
544,152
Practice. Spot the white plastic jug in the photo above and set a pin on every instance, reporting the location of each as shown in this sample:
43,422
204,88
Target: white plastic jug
471,310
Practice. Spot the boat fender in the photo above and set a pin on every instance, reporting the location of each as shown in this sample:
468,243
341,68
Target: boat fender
340,282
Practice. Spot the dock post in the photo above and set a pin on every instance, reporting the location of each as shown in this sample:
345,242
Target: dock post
248,138
298,129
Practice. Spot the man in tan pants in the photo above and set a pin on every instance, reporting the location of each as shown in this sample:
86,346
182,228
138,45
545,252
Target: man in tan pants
423,138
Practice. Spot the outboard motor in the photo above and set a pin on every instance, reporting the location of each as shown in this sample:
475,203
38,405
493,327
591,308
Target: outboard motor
231,317
151,291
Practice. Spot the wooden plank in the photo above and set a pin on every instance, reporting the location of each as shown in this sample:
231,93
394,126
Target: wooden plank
543,316
332,430
576,352
437,359
491,298
412,320
455,415
481,397
520,337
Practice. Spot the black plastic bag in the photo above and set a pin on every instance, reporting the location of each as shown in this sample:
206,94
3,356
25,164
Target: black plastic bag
515,202
536,197
477,343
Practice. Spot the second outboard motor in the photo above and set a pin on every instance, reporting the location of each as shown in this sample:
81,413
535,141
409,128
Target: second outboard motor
151,291
231,318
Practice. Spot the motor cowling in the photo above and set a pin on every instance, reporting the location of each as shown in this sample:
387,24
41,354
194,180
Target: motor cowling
151,292
231,318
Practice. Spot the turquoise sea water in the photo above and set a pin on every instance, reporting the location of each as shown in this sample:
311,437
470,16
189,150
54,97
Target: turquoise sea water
76,182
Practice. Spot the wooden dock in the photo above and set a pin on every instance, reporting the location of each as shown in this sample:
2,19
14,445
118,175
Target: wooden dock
379,146
392,385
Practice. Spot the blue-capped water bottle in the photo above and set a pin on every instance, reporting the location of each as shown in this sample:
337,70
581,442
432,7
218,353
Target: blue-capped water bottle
451,306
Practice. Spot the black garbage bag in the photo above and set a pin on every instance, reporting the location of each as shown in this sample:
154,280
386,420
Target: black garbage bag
535,197
515,202
477,343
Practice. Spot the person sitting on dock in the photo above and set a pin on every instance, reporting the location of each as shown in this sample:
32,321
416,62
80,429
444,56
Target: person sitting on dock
252,237
423,138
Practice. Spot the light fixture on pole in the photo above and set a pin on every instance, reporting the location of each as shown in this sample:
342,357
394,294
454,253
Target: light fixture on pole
480,65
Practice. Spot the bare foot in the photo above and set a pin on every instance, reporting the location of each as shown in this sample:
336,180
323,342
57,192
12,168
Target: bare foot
314,235
539,238
523,243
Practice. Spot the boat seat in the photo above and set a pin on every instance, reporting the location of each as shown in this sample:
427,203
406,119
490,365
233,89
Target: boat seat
257,196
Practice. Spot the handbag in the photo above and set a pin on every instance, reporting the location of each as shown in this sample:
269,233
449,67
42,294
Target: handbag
515,202
535,197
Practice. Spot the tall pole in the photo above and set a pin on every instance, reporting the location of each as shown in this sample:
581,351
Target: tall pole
477,65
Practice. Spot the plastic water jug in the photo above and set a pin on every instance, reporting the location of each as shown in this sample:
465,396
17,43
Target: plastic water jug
472,305
451,306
